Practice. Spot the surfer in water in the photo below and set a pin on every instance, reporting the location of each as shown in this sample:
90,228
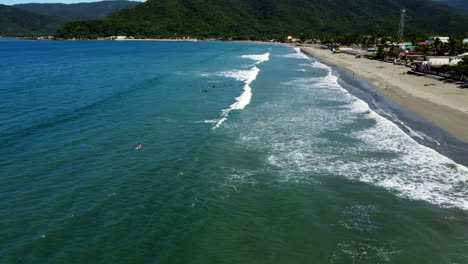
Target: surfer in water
139,146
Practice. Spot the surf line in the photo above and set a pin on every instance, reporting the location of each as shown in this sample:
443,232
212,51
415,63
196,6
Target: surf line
247,76
427,174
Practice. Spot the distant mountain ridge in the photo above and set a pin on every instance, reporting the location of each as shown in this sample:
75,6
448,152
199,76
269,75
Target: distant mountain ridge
79,11
461,5
169,18
18,22
40,19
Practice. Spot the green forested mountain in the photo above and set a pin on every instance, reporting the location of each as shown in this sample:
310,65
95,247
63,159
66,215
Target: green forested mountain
461,5
18,22
40,19
80,11
169,18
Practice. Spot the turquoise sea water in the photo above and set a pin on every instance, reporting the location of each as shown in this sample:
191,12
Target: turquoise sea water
275,163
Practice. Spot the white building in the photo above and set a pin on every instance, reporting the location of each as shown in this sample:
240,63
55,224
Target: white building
442,39
442,60
120,37
465,41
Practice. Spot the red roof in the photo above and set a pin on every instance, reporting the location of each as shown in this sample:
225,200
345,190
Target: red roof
424,44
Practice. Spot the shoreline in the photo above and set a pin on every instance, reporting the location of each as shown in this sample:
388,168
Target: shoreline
444,104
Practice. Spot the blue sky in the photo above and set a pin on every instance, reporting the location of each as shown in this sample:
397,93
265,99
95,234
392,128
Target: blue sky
14,2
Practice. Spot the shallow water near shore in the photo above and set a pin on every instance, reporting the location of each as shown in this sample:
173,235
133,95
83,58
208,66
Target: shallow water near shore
279,161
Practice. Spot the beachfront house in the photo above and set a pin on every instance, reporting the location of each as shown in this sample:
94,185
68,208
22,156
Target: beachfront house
442,60
431,62
431,40
405,45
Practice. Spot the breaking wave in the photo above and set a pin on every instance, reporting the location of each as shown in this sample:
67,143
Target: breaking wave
335,133
258,58
246,76
297,55
244,99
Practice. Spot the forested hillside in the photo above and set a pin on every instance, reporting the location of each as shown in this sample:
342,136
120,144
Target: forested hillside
18,22
169,18
80,11
46,19
461,5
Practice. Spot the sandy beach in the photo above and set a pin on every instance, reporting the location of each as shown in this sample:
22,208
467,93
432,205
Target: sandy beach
441,103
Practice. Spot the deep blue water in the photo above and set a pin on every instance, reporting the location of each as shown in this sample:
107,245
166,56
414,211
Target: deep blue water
275,163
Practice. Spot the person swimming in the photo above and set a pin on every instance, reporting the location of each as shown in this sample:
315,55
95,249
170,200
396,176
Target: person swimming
139,146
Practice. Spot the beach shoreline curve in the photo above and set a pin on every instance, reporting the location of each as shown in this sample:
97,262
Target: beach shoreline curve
442,105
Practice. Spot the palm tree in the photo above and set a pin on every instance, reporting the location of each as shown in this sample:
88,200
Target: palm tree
372,39
381,48
437,47
452,46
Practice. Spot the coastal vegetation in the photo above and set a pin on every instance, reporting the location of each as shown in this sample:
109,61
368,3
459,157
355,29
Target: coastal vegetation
454,46
263,19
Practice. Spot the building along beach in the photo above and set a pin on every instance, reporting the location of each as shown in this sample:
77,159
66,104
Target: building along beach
444,104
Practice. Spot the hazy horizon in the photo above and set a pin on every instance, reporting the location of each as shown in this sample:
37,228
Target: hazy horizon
15,2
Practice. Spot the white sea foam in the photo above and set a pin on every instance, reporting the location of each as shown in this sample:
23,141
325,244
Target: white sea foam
241,75
246,76
208,121
244,99
377,151
319,65
421,172
359,106
259,58
297,55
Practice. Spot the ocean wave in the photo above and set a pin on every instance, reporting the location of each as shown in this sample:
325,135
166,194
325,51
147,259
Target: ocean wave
244,99
246,76
319,65
297,55
259,58
207,121
378,151
420,173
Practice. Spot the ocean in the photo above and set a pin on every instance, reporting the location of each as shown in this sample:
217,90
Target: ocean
251,153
